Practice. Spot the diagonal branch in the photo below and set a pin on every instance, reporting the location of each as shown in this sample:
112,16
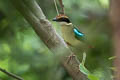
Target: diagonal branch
34,15
11,74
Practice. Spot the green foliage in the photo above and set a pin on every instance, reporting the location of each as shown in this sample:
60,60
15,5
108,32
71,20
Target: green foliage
23,53
84,70
92,77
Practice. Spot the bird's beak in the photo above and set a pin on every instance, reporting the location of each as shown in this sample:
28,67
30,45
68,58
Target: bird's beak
54,19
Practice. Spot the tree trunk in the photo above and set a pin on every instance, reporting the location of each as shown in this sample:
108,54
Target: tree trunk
115,20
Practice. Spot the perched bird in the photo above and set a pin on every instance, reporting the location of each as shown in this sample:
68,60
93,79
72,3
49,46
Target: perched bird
71,34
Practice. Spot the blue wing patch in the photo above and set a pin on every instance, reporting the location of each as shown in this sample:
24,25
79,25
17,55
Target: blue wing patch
78,33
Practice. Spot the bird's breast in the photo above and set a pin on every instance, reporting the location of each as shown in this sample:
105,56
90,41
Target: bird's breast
69,36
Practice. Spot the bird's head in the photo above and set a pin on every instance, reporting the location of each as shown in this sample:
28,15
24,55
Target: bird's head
62,19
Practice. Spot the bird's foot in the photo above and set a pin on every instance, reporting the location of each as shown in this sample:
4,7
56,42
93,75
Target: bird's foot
70,57
47,40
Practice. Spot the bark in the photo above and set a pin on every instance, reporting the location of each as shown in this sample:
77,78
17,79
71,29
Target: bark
62,7
115,20
43,28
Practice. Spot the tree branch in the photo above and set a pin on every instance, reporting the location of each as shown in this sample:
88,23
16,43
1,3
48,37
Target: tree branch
34,15
62,6
11,74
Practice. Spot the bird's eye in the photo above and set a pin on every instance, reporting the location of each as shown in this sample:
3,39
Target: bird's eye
64,20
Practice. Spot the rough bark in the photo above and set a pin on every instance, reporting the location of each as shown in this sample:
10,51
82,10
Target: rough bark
34,15
115,20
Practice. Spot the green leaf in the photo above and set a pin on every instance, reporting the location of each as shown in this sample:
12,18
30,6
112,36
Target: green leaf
84,58
92,77
111,58
83,69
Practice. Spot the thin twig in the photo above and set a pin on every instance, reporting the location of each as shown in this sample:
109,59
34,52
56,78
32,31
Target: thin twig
11,74
56,7
62,6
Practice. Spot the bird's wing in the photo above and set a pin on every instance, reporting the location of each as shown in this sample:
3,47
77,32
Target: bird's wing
81,36
78,35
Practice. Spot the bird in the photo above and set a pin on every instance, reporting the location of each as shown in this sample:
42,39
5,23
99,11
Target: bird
74,38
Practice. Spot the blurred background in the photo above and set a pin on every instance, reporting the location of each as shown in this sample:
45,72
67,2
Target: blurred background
24,54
